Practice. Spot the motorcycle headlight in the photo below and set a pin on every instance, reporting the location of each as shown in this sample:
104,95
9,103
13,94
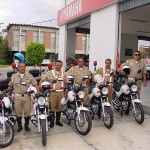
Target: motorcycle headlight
134,88
41,101
104,91
81,94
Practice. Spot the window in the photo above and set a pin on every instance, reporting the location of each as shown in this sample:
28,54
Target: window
84,42
23,39
35,36
16,39
53,40
42,37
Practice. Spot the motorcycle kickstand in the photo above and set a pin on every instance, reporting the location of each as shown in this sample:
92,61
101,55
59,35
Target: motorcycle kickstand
121,112
69,122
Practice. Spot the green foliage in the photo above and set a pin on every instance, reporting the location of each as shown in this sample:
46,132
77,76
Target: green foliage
3,62
35,53
3,48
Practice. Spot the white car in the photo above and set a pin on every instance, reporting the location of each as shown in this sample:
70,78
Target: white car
46,62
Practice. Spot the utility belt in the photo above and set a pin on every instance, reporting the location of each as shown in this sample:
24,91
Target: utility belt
138,79
21,95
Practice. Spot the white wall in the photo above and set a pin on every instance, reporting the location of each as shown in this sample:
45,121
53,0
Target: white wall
130,42
103,35
71,43
62,45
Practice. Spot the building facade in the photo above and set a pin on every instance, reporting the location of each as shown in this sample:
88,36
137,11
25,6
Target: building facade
114,26
19,36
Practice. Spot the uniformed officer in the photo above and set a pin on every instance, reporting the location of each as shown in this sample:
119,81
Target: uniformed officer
78,72
137,70
22,101
57,90
105,72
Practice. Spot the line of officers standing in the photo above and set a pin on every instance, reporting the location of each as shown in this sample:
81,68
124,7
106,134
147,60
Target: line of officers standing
22,102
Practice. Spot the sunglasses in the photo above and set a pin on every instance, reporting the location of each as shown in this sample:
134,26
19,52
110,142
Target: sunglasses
136,54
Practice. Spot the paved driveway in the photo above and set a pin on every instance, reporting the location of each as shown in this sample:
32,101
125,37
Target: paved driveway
126,134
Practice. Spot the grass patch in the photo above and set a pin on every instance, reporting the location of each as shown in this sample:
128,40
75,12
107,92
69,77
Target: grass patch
4,66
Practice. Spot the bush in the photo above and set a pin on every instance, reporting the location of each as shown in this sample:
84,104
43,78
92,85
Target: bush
3,62
35,53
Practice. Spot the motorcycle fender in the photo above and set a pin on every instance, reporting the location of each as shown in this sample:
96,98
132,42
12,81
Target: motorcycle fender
81,108
42,116
106,104
136,100
1,119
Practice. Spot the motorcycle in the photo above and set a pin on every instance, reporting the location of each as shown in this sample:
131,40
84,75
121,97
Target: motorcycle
41,111
73,107
6,121
125,97
99,104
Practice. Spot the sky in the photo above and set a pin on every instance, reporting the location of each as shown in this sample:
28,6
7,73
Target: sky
29,11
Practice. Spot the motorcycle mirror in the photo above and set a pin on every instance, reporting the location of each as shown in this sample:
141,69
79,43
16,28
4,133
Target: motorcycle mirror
54,81
111,74
85,77
43,70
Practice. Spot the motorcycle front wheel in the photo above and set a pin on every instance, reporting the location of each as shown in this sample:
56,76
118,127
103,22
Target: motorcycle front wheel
108,117
6,137
138,113
84,124
43,132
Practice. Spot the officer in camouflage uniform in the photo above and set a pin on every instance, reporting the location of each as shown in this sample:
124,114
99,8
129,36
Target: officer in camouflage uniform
137,70
78,72
57,90
22,101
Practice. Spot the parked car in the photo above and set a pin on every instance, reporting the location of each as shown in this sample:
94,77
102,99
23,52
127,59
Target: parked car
46,62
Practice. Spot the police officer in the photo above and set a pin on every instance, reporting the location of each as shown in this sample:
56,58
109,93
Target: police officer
137,70
22,101
105,72
57,90
78,72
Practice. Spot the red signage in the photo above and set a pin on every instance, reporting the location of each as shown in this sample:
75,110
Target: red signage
78,8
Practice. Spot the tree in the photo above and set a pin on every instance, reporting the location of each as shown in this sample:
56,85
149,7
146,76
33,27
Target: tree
3,48
35,53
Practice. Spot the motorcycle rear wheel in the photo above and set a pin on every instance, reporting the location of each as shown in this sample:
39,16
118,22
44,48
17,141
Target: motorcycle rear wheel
109,118
43,132
85,120
139,113
8,136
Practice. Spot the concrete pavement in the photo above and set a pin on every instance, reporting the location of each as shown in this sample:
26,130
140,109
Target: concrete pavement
125,134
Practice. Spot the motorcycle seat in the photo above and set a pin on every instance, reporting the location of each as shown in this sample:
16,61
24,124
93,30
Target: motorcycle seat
4,83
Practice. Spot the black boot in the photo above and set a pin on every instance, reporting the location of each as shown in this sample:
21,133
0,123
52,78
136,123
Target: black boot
52,119
27,124
19,124
58,114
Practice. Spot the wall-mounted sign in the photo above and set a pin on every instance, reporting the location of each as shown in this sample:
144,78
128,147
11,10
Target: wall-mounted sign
78,8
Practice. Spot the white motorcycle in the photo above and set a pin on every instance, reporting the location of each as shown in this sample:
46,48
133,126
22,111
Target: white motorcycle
125,98
6,121
99,104
41,110
74,109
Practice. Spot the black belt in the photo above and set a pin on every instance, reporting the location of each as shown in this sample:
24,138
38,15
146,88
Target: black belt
138,79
